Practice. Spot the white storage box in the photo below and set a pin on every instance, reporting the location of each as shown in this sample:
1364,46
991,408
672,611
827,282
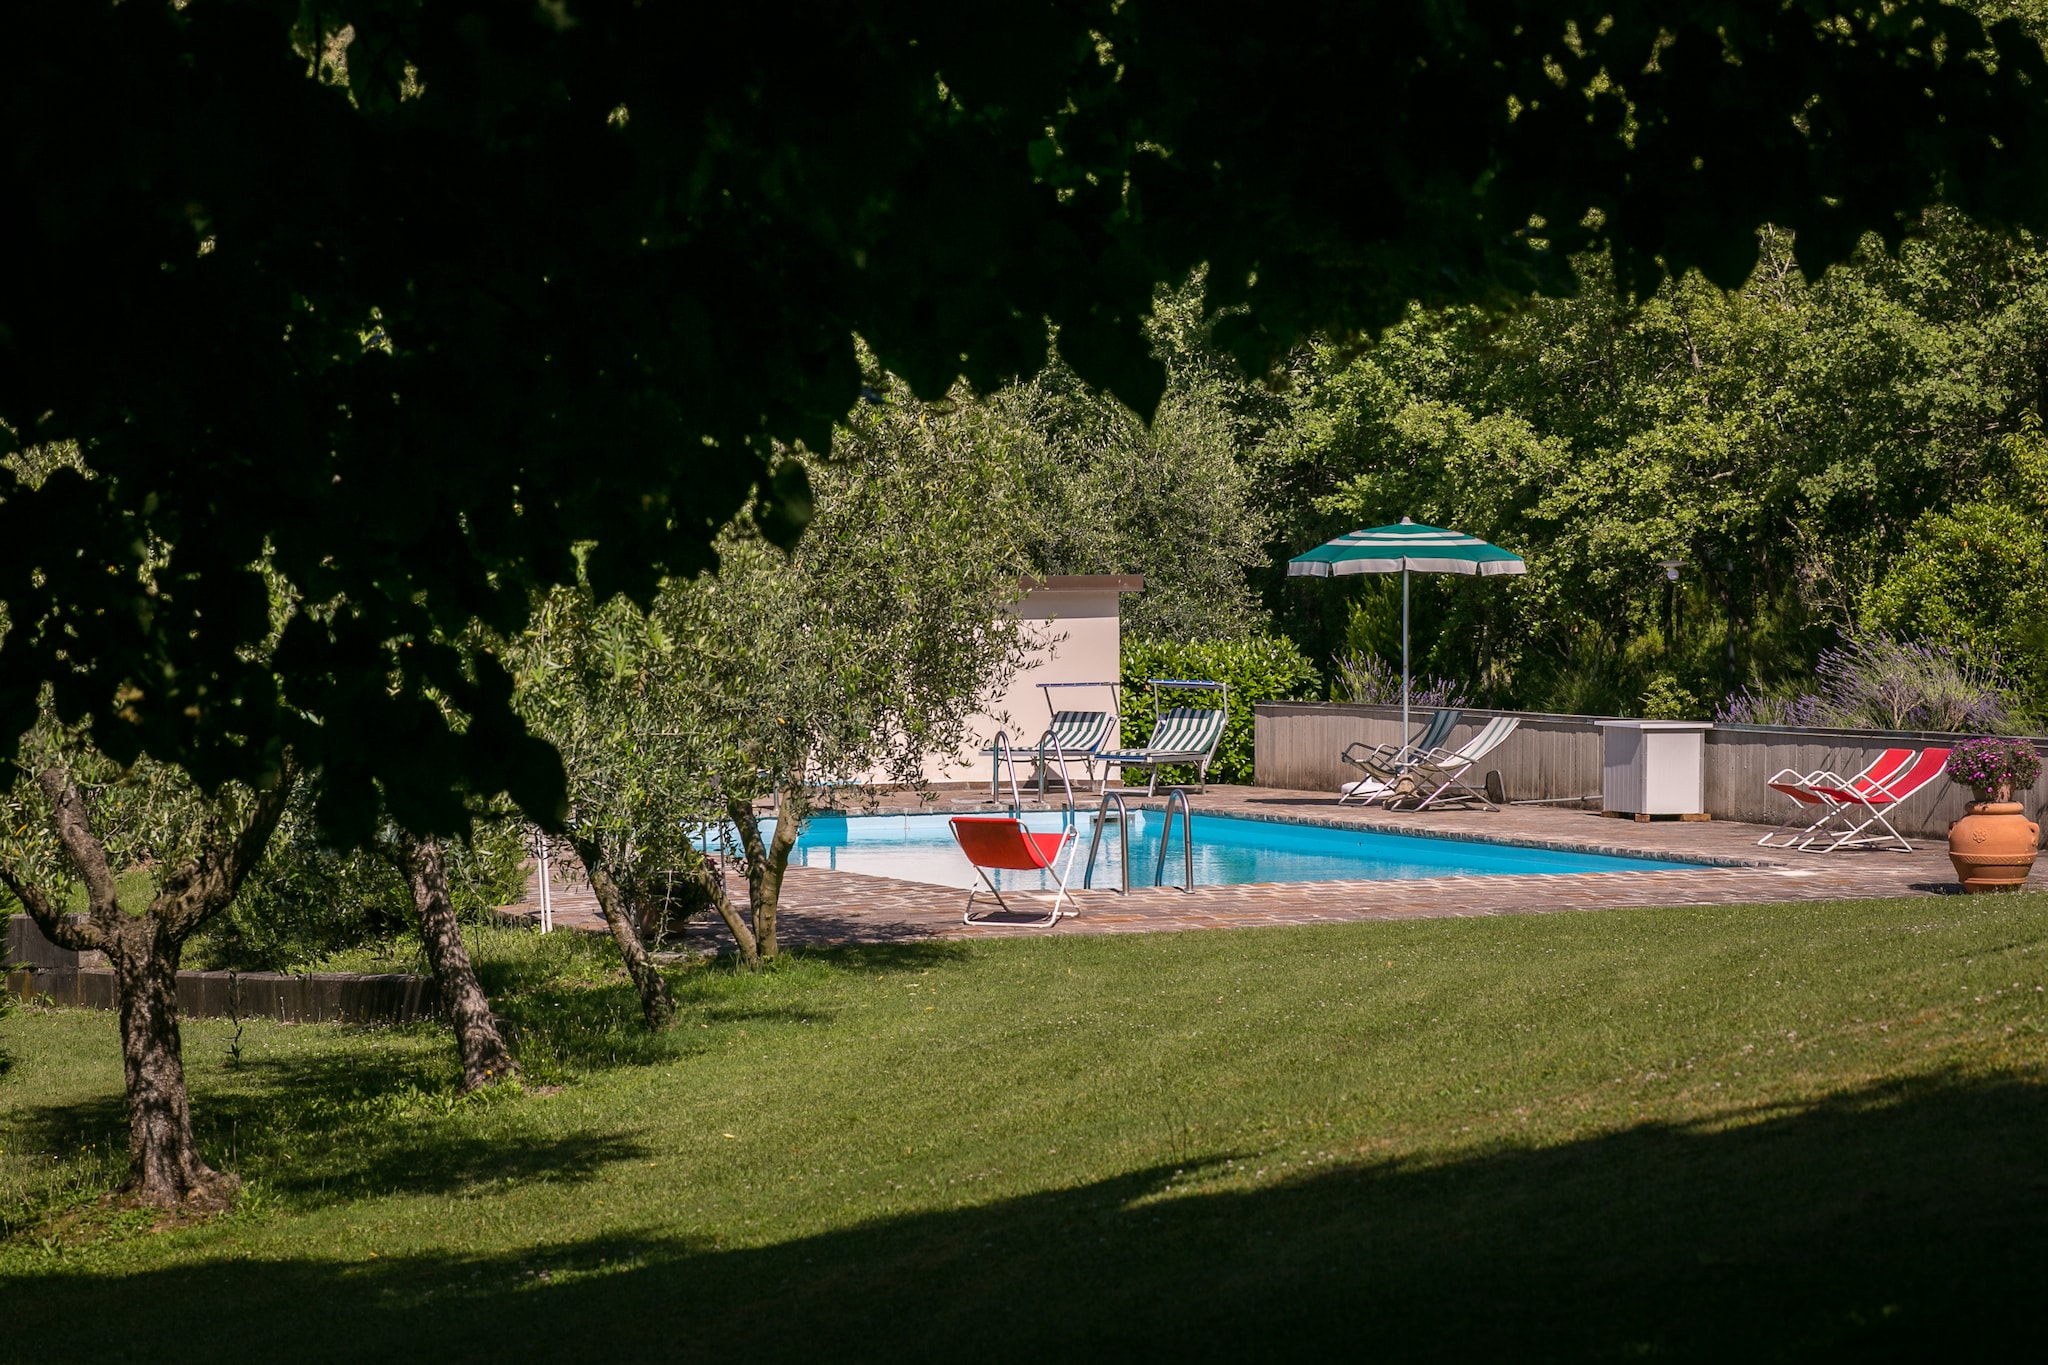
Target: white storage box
1654,767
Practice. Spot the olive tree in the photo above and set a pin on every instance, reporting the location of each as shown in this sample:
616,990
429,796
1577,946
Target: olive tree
74,820
851,661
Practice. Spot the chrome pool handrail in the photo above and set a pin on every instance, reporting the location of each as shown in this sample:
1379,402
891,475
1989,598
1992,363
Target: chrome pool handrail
1123,835
1187,840
999,751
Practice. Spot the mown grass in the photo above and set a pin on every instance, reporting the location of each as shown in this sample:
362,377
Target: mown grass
1739,1131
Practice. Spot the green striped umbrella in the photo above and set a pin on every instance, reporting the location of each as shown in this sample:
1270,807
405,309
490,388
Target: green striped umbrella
1405,549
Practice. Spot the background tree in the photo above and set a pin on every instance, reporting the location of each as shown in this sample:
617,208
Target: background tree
599,682
1784,440
79,822
458,287
1171,499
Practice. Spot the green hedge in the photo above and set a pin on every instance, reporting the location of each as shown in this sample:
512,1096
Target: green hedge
1263,668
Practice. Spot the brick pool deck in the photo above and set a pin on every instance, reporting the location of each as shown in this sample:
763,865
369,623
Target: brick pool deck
821,906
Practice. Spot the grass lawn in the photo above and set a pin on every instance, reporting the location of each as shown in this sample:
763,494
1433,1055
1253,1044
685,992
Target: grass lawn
1736,1132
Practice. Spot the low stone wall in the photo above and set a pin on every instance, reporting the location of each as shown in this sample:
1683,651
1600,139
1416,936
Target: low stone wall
63,977
1555,757
316,998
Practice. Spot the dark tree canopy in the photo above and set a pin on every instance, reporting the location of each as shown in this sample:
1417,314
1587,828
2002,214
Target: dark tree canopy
412,297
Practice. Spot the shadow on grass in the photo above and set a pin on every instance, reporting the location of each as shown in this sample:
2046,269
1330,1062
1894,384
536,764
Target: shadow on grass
587,1027
1903,1221
321,1129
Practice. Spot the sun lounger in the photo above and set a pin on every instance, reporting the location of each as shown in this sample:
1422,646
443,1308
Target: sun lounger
1382,764
1000,841
1811,810
1074,736
1182,735
1440,774
1858,806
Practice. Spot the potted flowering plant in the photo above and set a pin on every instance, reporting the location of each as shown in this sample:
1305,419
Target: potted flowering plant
1993,769
1993,847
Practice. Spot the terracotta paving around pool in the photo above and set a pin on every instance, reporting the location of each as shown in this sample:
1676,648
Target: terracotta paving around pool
821,906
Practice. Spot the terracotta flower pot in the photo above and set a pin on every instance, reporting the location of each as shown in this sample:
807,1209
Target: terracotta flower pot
1993,847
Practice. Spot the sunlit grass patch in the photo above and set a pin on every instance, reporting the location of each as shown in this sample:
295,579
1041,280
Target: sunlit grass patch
1216,1122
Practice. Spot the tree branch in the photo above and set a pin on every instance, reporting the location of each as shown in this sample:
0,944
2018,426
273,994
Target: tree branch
78,935
73,827
200,887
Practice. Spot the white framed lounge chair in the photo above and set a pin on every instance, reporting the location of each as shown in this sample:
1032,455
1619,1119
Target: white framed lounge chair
1811,809
1860,806
1382,764
997,841
1440,775
1180,735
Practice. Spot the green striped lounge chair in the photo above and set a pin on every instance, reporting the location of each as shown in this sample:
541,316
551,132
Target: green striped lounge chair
1180,735
1073,737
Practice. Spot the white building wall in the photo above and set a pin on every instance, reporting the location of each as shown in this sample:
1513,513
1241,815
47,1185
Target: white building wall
1074,628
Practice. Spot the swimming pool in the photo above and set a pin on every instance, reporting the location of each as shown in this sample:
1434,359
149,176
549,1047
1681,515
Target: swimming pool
1228,852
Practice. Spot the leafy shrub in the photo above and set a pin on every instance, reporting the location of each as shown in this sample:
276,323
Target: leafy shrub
1994,767
1874,681
1261,668
1363,678
1666,699
306,900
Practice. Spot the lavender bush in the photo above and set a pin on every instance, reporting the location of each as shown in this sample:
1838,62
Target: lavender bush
1366,679
1876,682
1993,769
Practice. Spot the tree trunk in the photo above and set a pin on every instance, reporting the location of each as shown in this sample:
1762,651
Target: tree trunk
709,876
657,1004
766,863
485,1060
164,1166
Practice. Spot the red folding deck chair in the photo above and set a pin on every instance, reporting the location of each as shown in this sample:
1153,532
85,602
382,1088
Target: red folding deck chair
1815,808
1001,841
1870,800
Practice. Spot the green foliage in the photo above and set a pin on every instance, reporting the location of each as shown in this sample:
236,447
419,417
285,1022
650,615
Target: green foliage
1258,668
147,815
1793,442
307,900
1110,493
551,289
1974,576
1664,699
869,648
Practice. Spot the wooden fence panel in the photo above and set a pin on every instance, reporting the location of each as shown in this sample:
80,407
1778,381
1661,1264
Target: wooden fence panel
1554,758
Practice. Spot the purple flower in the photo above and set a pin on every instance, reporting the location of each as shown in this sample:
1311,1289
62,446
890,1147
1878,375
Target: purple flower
1987,766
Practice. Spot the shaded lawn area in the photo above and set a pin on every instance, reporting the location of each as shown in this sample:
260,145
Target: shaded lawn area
1764,1131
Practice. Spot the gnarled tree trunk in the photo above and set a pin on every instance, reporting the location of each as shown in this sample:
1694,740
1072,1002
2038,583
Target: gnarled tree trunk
164,1165
657,1004
485,1059
163,1159
767,861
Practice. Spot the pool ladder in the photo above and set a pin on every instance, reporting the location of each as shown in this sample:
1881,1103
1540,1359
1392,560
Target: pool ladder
1123,836
1002,754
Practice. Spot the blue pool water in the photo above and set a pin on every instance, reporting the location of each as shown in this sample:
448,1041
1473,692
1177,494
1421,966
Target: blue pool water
1228,852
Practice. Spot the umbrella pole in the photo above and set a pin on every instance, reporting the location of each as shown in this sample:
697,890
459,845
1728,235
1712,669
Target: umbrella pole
1404,650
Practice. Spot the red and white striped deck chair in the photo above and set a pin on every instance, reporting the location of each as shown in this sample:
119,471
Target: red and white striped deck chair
1812,810
1001,841
1859,807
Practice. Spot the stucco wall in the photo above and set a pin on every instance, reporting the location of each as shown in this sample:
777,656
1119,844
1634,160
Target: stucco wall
1074,625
